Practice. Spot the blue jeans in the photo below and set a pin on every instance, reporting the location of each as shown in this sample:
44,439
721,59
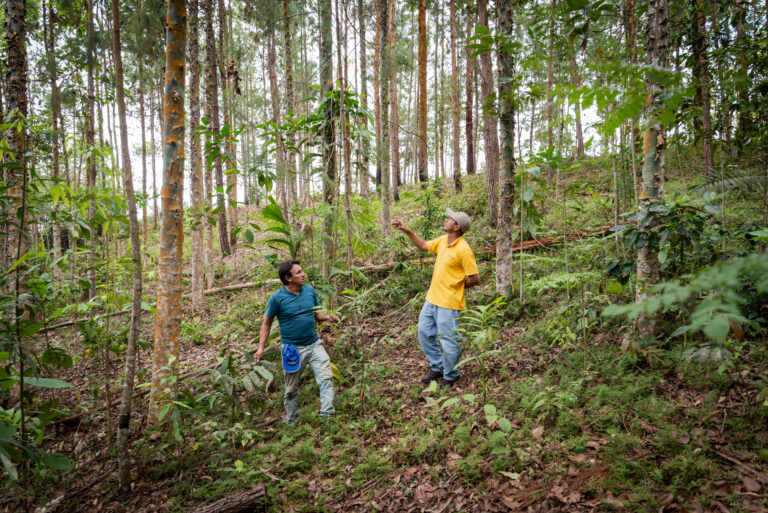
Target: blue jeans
318,359
437,328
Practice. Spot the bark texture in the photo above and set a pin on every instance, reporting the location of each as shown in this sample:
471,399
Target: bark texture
169,287
654,144
196,157
329,136
505,237
423,159
133,335
490,130
385,77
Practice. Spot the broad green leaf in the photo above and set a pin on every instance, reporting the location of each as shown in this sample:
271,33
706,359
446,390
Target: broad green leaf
449,402
504,424
56,461
717,328
9,467
45,382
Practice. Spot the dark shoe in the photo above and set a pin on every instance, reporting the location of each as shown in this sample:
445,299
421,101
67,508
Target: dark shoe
447,383
432,376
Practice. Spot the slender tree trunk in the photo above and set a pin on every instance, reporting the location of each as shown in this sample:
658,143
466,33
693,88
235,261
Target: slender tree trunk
195,161
210,44
329,136
455,103
16,96
377,91
169,287
550,82
152,145
395,127
363,184
133,335
469,132
227,111
576,82
505,237
436,88
385,79
275,97
50,37
289,101
490,131
701,77
653,155
422,166
90,142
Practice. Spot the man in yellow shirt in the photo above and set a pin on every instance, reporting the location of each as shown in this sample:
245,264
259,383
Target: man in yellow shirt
455,270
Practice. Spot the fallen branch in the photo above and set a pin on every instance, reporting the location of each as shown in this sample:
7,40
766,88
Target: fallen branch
240,502
549,241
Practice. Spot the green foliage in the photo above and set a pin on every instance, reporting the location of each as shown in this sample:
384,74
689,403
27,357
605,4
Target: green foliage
478,324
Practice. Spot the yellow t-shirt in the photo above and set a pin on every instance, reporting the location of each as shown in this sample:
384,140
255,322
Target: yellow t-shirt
454,263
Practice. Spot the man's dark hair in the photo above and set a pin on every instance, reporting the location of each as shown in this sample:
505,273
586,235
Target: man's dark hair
285,270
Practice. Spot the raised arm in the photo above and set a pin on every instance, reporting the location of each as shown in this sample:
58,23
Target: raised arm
266,327
417,241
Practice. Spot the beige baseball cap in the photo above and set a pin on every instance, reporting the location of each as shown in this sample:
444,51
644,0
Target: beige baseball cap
461,218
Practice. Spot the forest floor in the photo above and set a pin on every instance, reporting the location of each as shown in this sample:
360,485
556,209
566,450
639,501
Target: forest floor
588,431
559,420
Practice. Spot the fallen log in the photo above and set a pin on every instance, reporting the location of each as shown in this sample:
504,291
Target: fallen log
550,241
239,502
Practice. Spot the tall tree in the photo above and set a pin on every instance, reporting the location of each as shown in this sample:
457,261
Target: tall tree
328,132
50,50
377,91
550,80
289,100
395,116
423,157
656,33
227,72
469,133
90,141
385,77
363,182
505,235
490,130
702,100
195,156
133,334
455,103
212,97
16,101
169,287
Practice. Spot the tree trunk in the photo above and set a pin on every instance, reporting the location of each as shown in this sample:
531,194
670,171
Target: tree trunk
329,136
469,131
213,83
490,131
16,96
169,287
395,126
701,78
275,97
505,237
289,101
377,91
653,156
550,82
90,142
196,159
422,166
385,77
363,183
135,326
455,103
50,36
152,109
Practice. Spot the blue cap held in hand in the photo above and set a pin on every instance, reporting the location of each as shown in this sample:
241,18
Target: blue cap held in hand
291,358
